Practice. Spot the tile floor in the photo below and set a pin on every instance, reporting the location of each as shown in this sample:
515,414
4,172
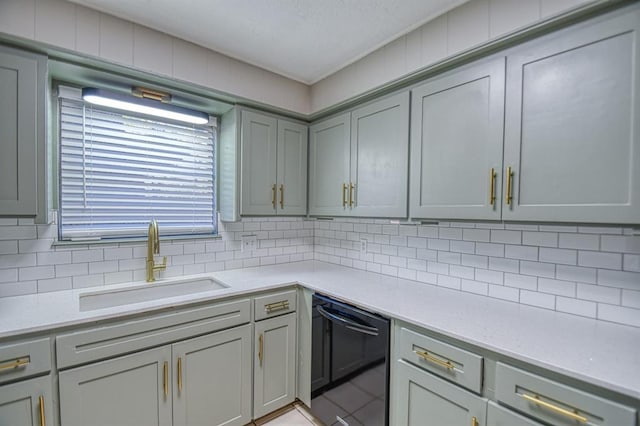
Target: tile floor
297,416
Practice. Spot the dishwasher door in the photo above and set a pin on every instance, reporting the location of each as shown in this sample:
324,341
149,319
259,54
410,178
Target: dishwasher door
352,387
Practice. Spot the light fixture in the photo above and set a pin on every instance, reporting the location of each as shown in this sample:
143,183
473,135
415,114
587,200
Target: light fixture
143,105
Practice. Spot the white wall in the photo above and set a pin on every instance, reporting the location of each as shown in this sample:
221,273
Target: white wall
79,29
469,25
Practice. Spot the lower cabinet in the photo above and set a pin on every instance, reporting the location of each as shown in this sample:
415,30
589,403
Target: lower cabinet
274,364
500,416
422,399
212,384
205,380
27,403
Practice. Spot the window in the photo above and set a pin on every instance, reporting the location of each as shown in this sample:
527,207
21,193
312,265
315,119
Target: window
119,170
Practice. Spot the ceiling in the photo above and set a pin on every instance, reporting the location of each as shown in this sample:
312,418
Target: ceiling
305,40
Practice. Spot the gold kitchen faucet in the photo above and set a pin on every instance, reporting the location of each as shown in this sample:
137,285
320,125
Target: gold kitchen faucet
153,247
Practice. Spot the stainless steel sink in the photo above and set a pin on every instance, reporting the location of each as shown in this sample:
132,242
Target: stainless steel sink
147,292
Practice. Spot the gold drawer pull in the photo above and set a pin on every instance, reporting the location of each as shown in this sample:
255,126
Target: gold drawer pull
281,196
492,187
273,195
283,305
536,400
179,374
43,421
428,357
344,195
474,421
260,348
20,362
351,186
509,184
165,381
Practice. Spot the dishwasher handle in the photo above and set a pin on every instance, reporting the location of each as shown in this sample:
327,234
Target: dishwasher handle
332,315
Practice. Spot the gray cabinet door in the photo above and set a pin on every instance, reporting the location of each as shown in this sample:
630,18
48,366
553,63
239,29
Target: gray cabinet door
21,132
421,399
212,379
132,390
500,416
27,403
259,150
572,130
456,144
292,168
329,166
380,157
274,364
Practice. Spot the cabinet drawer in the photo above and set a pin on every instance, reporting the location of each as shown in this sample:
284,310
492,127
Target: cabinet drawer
457,365
500,416
24,359
109,341
556,403
275,304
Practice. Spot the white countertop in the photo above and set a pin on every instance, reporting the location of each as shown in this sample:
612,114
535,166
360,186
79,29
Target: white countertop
597,352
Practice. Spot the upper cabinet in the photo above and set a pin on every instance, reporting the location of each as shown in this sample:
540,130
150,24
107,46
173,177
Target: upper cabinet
22,134
572,132
359,161
456,144
274,166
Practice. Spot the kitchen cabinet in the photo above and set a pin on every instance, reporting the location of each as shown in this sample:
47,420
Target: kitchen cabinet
425,400
274,364
274,166
197,381
130,390
212,382
500,416
358,161
456,144
27,403
572,139
22,134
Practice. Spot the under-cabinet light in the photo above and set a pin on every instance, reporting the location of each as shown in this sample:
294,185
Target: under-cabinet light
143,106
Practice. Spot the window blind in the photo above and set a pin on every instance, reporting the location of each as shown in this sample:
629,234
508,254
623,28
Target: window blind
119,170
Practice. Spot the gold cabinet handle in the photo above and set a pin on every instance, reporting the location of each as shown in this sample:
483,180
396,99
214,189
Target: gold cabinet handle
281,196
20,362
165,378
351,186
273,195
474,421
559,410
260,348
344,195
509,184
43,420
428,357
492,187
282,305
179,374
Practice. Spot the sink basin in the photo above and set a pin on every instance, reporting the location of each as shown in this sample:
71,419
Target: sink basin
147,292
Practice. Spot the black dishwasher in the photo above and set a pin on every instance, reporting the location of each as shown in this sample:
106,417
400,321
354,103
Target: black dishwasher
349,364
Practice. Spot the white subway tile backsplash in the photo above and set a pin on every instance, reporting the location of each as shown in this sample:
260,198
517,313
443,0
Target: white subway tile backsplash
538,269
490,249
521,281
523,263
24,232
596,259
540,300
629,280
521,252
576,307
561,256
576,273
540,239
36,273
579,241
558,287
619,314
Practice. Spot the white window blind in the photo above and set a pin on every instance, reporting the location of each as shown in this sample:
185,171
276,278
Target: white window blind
120,170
